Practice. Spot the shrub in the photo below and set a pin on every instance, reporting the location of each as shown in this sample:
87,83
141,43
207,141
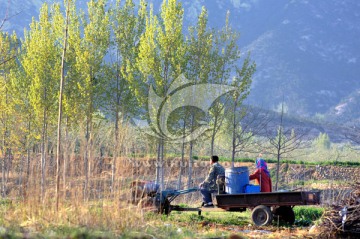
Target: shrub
306,215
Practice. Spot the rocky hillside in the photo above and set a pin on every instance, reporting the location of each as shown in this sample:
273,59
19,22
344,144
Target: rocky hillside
347,111
307,52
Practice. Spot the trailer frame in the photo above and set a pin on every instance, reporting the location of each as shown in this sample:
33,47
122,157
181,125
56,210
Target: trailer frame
264,206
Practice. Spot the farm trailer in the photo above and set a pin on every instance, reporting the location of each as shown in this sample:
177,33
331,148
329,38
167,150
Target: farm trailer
264,206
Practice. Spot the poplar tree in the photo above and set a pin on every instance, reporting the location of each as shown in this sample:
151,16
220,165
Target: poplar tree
124,81
8,48
161,57
242,81
20,91
61,93
198,70
41,63
225,55
72,98
90,56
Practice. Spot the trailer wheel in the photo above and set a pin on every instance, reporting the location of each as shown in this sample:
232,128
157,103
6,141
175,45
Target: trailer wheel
286,214
261,215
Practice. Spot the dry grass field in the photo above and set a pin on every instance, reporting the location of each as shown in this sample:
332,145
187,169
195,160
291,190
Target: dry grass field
107,213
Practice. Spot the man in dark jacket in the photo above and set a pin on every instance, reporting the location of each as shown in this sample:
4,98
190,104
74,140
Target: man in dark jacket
209,186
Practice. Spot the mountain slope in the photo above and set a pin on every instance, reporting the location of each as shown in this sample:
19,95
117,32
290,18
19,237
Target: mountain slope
307,52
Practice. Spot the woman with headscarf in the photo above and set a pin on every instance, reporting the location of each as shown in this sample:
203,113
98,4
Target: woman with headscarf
262,176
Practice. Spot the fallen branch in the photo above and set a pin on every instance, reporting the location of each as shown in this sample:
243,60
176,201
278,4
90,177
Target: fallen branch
343,218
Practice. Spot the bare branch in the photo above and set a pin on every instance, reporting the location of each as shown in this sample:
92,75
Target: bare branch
4,20
7,17
8,59
284,140
253,123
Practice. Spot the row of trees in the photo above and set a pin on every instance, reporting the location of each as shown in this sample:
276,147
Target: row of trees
74,70
70,87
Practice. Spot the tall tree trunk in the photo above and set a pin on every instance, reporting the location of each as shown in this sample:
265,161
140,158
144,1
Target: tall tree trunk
66,155
279,146
116,138
116,143
162,165
91,160
190,169
21,176
233,151
277,170
62,79
157,173
3,166
87,157
28,156
5,147
213,136
89,144
6,166
43,159
26,182
43,155
182,158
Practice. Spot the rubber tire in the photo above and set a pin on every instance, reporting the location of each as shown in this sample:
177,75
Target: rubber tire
261,215
286,214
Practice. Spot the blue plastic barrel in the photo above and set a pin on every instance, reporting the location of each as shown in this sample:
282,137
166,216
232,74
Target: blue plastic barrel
235,179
